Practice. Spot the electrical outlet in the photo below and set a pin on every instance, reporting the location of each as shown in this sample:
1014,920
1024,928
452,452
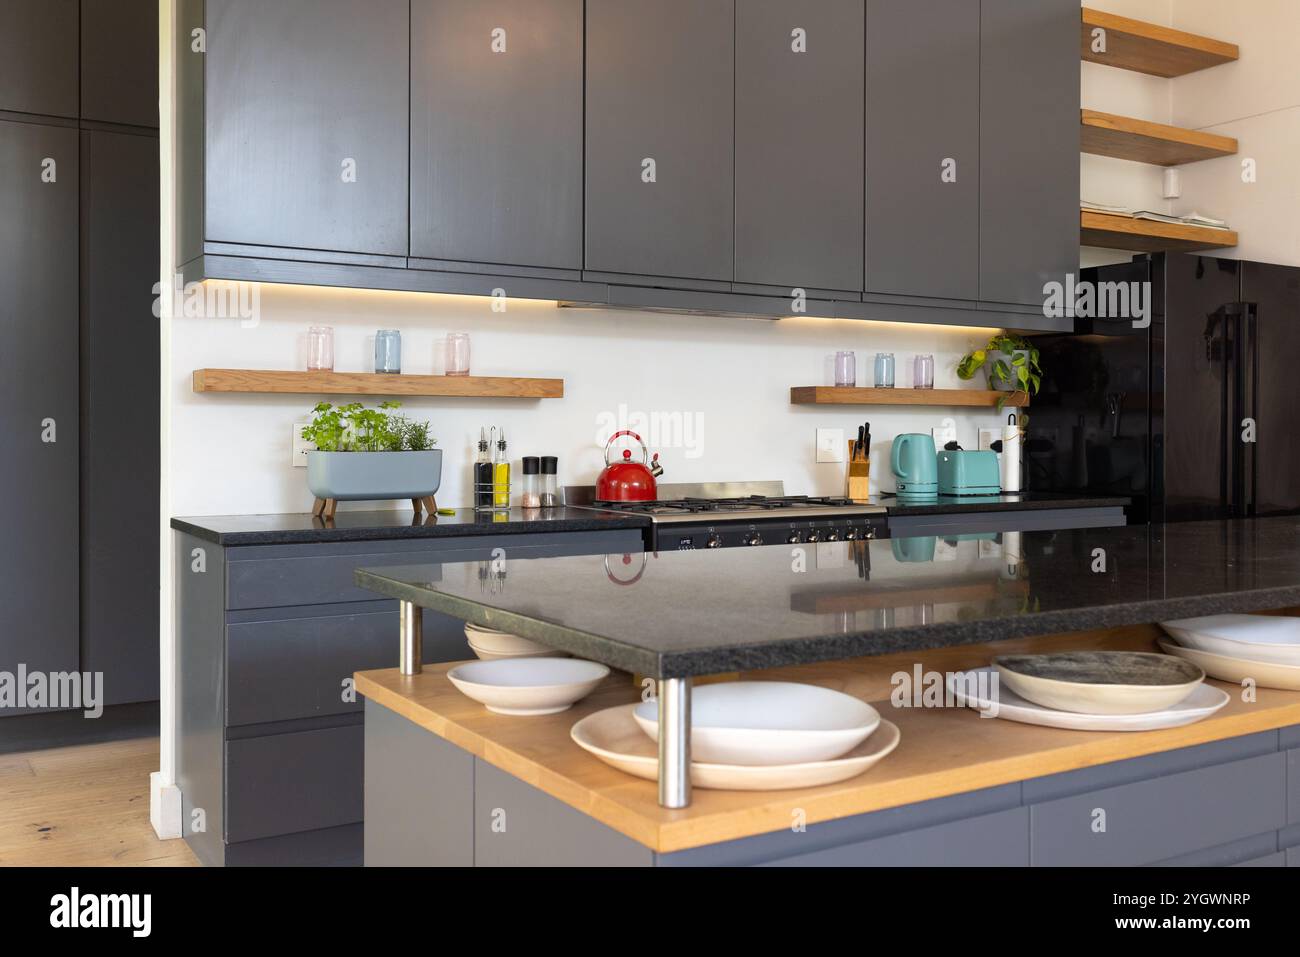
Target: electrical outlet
989,436
830,445
298,457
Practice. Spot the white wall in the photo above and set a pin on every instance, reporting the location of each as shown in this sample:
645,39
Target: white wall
729,378
1257,100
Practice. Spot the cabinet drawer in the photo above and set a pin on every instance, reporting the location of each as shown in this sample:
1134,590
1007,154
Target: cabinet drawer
1155,820
309,575
991,840
288,783
280,670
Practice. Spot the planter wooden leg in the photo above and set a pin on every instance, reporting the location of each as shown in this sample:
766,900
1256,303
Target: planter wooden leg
431,505
417,504
331,506
318,507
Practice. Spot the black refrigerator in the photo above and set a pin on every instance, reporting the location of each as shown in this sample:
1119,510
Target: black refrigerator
1195,416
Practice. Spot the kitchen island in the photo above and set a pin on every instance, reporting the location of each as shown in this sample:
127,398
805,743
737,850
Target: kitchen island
826,615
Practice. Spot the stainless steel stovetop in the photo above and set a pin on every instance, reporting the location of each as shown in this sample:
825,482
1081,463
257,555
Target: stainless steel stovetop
725,514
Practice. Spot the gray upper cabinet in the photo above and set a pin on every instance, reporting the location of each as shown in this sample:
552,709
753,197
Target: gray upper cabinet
38,56
799,116
307,124
119,61
496,131
39,396
923,136
660,134
1029,147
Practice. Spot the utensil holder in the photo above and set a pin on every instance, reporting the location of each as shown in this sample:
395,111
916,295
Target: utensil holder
857,475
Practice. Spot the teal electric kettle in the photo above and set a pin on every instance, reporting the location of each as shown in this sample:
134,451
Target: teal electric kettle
915,464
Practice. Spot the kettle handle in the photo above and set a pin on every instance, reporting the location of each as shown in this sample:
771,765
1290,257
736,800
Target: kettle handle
645,452
895,455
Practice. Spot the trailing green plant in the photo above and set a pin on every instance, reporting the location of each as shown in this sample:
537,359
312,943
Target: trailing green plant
1021,371
354,428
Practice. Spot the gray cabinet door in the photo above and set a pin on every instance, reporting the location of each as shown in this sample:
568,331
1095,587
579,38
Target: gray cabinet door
496,131
38,56
799,68
38,397
1029,147
119,62
119,370
659,138
307,124
923,136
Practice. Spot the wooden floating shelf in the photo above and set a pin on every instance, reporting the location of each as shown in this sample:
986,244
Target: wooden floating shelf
1122,137
1149,236
369,383
846,395
1150,48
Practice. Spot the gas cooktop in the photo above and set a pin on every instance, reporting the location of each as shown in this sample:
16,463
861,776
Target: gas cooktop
759,512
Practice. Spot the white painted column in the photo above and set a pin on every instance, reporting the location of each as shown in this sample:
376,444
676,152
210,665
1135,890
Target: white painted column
164,795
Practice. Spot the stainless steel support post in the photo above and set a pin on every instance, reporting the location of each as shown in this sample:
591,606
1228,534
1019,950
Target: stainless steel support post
410,658
674,742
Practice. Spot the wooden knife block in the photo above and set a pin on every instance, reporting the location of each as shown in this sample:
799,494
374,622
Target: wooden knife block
857,475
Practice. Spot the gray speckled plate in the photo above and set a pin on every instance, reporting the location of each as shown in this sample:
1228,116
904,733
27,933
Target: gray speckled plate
1100,682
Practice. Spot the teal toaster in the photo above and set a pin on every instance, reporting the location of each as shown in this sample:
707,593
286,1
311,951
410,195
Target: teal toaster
969,473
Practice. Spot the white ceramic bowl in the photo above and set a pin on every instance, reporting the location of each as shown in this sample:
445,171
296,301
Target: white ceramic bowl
528,686
1271,638
757,723
487,655
498,644
1237,669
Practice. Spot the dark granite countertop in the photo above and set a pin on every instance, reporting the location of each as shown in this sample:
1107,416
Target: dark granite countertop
304,528
1006,502
703,612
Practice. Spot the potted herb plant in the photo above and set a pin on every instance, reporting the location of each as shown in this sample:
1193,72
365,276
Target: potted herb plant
366,453
1010,363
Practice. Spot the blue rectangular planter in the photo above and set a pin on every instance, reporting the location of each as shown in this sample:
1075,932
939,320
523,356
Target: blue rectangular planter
357,476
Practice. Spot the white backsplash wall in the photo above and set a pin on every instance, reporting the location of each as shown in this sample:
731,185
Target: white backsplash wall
718,390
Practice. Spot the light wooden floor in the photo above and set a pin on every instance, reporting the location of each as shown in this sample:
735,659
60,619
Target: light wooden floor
83,806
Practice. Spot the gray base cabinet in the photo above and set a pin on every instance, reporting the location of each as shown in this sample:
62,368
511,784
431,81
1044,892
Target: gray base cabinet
1218,804
270,748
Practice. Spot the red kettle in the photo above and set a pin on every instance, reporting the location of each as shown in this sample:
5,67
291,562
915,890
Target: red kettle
625,480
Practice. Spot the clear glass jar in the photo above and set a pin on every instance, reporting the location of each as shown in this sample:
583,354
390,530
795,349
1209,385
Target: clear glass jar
884,370
388,351
531,497
320,349
923,372
458,353
550,482
846,369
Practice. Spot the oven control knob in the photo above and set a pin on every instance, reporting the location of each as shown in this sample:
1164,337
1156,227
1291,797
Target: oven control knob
832,536
795,538
714,541
814,536
851,535
754,539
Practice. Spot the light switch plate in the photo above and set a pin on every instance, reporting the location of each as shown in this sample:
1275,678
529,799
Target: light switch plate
830,445
298,457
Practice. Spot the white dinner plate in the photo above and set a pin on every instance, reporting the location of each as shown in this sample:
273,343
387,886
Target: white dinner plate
769,722
1201,703
1272,638
612,735
1237,669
